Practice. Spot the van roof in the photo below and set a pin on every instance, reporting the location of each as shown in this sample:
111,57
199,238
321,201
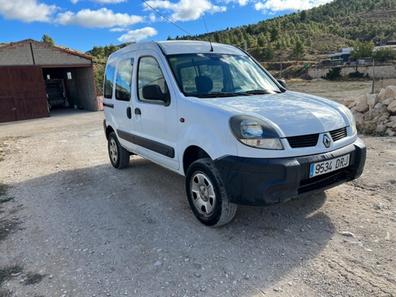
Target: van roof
172,47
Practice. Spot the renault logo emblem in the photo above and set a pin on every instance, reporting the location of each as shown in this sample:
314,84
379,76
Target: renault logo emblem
326,140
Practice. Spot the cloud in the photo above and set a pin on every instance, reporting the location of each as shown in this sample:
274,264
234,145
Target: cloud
26,10
101,1
185,10
118,29
240,2
101,18
280,5
138,34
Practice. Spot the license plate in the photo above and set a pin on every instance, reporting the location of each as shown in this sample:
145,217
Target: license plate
327,166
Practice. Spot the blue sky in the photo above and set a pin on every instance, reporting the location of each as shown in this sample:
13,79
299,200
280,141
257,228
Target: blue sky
81,24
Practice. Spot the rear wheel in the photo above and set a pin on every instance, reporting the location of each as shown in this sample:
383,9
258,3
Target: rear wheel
207,195
119,157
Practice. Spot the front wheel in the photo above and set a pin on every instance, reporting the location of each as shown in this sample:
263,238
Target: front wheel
207,195
119,157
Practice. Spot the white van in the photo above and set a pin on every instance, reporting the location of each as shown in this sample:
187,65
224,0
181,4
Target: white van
212,113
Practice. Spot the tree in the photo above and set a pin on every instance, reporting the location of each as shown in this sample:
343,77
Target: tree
303,16
274,33
267,53
47,39
362,49
385,54
298,50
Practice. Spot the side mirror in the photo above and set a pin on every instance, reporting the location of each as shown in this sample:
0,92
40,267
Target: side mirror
153,92
282,82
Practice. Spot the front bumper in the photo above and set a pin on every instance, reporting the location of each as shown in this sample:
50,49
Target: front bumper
256,181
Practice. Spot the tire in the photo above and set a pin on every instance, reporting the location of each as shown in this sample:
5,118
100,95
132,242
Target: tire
207,195
119,157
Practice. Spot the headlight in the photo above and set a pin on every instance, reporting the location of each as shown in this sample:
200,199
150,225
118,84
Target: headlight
255,133
351,119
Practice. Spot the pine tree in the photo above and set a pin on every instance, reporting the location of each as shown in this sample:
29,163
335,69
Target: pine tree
47,39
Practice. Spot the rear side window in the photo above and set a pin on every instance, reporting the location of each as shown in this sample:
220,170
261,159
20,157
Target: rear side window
124,80
108,83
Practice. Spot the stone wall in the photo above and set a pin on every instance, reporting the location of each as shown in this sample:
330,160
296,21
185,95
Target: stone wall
382,71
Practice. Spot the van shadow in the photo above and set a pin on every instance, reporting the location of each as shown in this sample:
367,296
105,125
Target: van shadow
140,234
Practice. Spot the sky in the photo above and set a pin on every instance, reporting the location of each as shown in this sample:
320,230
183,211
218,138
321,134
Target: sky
82,24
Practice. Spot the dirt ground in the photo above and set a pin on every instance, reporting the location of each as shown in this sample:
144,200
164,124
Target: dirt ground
71,225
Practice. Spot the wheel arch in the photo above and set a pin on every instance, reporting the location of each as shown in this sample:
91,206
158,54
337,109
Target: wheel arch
191,154
108,130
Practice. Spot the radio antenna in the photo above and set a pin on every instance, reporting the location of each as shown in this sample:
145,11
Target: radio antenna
207,32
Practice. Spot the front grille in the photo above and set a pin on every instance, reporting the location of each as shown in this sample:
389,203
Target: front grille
338,134
303,140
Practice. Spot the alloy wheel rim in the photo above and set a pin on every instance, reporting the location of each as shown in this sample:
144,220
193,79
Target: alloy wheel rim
203,194
113,149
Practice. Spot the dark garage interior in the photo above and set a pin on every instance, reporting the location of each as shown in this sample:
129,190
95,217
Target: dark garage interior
63,87
37,78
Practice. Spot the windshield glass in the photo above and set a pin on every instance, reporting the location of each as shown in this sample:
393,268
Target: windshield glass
220,75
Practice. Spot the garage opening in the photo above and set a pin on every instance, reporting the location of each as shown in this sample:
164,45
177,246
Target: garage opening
69,87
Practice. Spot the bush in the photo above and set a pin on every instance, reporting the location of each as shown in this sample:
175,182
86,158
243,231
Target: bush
385,54
356,74
333,74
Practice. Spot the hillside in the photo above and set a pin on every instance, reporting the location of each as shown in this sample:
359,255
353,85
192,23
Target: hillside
307,34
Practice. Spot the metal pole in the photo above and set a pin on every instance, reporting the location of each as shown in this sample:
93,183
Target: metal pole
373,86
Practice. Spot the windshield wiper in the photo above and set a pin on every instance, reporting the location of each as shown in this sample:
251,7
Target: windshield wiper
258,92
219,94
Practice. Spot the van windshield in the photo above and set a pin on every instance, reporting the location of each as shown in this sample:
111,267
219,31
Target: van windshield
220,75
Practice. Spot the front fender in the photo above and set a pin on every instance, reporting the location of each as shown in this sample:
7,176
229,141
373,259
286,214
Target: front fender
214,144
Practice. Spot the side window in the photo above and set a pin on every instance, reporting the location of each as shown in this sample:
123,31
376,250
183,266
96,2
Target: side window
124,80
150,74
108,83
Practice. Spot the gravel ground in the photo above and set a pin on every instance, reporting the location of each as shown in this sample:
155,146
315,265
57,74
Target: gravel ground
71,225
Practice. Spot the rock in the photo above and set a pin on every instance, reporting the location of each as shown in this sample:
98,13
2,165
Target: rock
381,128
390,132
349,102
381,96
392,107
157,263
369,127
387,101
359,119
278,289
379,110
391,124
371,100
347,234
390,92
378,206
362,105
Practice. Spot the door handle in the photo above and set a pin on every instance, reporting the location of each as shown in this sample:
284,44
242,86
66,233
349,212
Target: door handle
138,111
129,112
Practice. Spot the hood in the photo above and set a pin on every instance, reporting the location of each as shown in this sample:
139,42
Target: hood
293,113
